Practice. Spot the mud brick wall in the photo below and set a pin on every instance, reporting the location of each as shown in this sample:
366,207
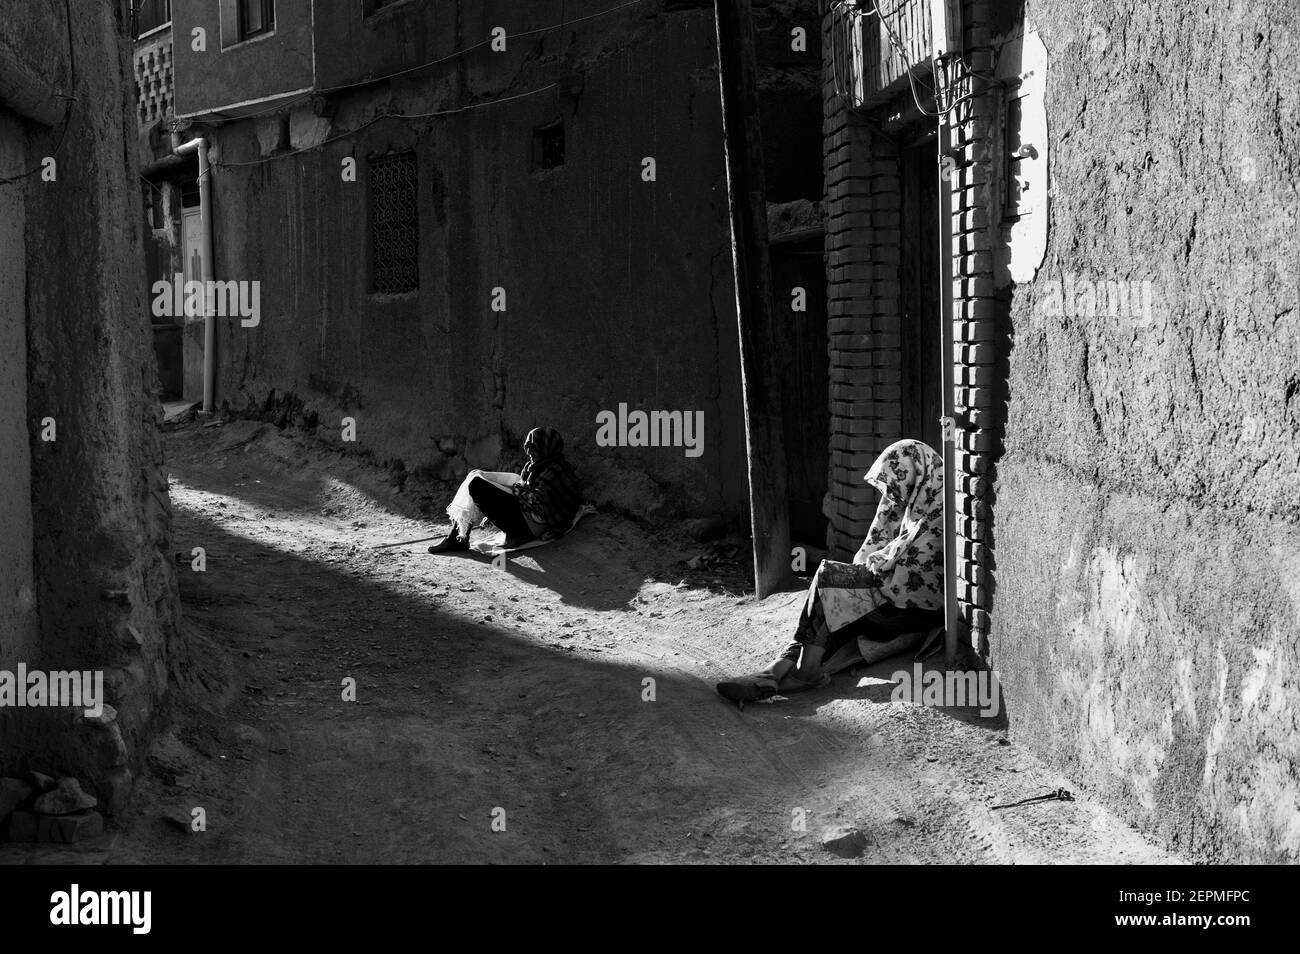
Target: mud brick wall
105,594
634,301
1146,616
1128,485
862,204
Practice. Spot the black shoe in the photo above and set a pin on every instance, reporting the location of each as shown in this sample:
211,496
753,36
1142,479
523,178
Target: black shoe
451,543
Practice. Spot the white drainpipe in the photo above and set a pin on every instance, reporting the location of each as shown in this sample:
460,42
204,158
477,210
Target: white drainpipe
205,253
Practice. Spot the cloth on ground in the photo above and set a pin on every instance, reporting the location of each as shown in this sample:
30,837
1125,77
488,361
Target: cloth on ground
493,547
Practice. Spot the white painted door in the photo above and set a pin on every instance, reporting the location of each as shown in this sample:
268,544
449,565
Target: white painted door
191,235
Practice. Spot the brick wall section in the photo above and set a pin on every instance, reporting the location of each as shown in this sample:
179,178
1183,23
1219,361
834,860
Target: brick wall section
978,397
862,295
862,257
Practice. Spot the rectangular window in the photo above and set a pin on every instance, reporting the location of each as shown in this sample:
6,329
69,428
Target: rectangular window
394,224
151,14
255,17
548,145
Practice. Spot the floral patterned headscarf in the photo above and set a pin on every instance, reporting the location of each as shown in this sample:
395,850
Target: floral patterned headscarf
905,543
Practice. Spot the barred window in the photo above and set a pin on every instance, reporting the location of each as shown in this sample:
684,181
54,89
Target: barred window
394,224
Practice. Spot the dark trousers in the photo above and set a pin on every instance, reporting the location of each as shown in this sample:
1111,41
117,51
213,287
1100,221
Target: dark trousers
502,508
882,624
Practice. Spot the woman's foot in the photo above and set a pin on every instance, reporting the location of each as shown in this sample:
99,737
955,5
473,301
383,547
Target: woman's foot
451,543
760,685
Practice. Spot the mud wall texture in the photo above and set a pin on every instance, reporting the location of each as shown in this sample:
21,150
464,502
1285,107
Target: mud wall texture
105,596
1146,601
17,598
617,290
213,66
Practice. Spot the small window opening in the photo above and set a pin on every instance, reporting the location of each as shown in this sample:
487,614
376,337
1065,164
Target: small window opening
548,145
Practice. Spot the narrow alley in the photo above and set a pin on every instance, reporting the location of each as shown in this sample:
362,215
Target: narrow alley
479,689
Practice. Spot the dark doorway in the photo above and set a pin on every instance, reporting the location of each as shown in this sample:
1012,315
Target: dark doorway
919,277
805,382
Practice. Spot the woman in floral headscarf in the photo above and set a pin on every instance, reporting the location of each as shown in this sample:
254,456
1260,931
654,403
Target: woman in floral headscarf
537,504
892,589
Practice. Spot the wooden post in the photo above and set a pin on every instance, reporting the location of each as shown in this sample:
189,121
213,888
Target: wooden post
747,199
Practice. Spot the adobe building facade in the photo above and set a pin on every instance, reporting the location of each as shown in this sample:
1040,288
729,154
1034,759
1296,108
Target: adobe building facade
1125,370
85,582
467,220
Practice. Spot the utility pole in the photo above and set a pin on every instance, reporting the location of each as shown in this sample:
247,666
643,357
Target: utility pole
747,200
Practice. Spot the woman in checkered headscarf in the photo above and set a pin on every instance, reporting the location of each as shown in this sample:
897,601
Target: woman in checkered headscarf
539,503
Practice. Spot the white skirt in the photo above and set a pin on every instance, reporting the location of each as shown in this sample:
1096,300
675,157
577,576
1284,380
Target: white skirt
463,511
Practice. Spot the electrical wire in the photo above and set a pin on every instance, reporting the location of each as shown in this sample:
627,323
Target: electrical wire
483,43
380,118
936,71
369,81
563,24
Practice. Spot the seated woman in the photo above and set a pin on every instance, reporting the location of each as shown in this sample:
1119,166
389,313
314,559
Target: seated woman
880,603
537,504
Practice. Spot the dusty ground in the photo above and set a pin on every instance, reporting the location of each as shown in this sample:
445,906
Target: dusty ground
522,689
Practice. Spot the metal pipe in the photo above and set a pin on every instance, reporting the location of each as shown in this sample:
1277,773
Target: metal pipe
200,146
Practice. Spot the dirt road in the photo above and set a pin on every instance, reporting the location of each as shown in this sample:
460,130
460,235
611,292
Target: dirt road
517,698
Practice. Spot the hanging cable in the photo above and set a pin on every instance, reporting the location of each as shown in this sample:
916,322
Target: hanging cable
383,116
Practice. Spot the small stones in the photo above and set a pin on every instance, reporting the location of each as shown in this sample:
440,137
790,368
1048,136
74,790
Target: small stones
106,717
845,842
70,829
40,781
64,799
178,819
13,792
38,809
